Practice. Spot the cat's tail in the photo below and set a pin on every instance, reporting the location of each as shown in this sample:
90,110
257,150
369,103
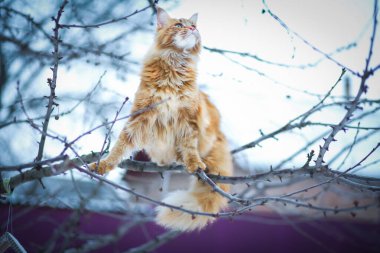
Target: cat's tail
199,198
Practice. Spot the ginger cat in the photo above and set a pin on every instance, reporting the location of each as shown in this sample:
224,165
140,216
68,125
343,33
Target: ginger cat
184,129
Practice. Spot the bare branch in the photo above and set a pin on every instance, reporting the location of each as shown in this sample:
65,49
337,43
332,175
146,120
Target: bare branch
354,104
282,23
109,21
155,243
32,164
289,125
52,82
372,40
260,59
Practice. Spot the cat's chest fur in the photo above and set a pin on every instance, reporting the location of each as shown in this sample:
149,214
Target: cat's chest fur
170,81
165,127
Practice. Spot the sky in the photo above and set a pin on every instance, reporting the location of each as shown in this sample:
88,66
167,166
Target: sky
252,96
250,102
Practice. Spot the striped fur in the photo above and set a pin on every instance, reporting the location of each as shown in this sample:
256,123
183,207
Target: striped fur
184,129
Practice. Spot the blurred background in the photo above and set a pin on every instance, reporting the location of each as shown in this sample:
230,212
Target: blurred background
261,72
255,95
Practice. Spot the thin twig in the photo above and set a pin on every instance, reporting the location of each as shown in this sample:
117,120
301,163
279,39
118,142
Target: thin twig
354,104
52,82
288,126
260,59
143,110
155,243
282,23
110,129
106,22
338,174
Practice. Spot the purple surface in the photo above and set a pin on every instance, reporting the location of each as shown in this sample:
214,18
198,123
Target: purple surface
35,227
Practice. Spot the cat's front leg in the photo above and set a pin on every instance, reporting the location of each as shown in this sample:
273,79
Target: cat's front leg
102,167
133,135
188,148
121,146
193,162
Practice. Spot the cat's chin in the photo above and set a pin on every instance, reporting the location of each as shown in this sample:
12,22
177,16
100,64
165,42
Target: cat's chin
186,43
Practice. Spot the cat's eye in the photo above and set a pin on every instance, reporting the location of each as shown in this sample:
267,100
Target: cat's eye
179,25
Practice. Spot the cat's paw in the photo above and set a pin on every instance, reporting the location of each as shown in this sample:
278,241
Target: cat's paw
193,167
103,167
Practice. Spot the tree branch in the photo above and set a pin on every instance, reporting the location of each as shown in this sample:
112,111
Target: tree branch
282,23
32,164
109,21
52,82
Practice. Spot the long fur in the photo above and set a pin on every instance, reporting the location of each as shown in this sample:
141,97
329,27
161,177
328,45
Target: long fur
184,129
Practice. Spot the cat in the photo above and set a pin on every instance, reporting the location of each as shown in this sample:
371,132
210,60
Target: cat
183,129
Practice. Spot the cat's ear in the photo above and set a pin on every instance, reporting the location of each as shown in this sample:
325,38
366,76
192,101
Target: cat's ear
162,17
194,18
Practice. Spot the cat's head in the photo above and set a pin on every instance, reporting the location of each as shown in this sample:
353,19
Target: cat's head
178,34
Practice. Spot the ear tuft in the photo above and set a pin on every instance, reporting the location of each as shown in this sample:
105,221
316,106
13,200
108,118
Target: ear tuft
194,18
162,17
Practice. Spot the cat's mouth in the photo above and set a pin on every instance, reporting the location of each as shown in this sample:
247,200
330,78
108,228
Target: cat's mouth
187,40
192,33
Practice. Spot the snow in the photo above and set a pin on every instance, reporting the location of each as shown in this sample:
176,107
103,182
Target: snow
75,190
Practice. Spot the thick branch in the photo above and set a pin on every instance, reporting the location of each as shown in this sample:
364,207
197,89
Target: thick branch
354,104
32,164
360,182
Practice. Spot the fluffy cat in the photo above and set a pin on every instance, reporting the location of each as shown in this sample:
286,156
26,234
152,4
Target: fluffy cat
184,129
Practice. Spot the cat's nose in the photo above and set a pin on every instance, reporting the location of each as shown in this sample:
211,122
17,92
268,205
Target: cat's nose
190,27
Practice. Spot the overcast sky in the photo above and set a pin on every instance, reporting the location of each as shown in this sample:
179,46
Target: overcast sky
251,95
250,101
